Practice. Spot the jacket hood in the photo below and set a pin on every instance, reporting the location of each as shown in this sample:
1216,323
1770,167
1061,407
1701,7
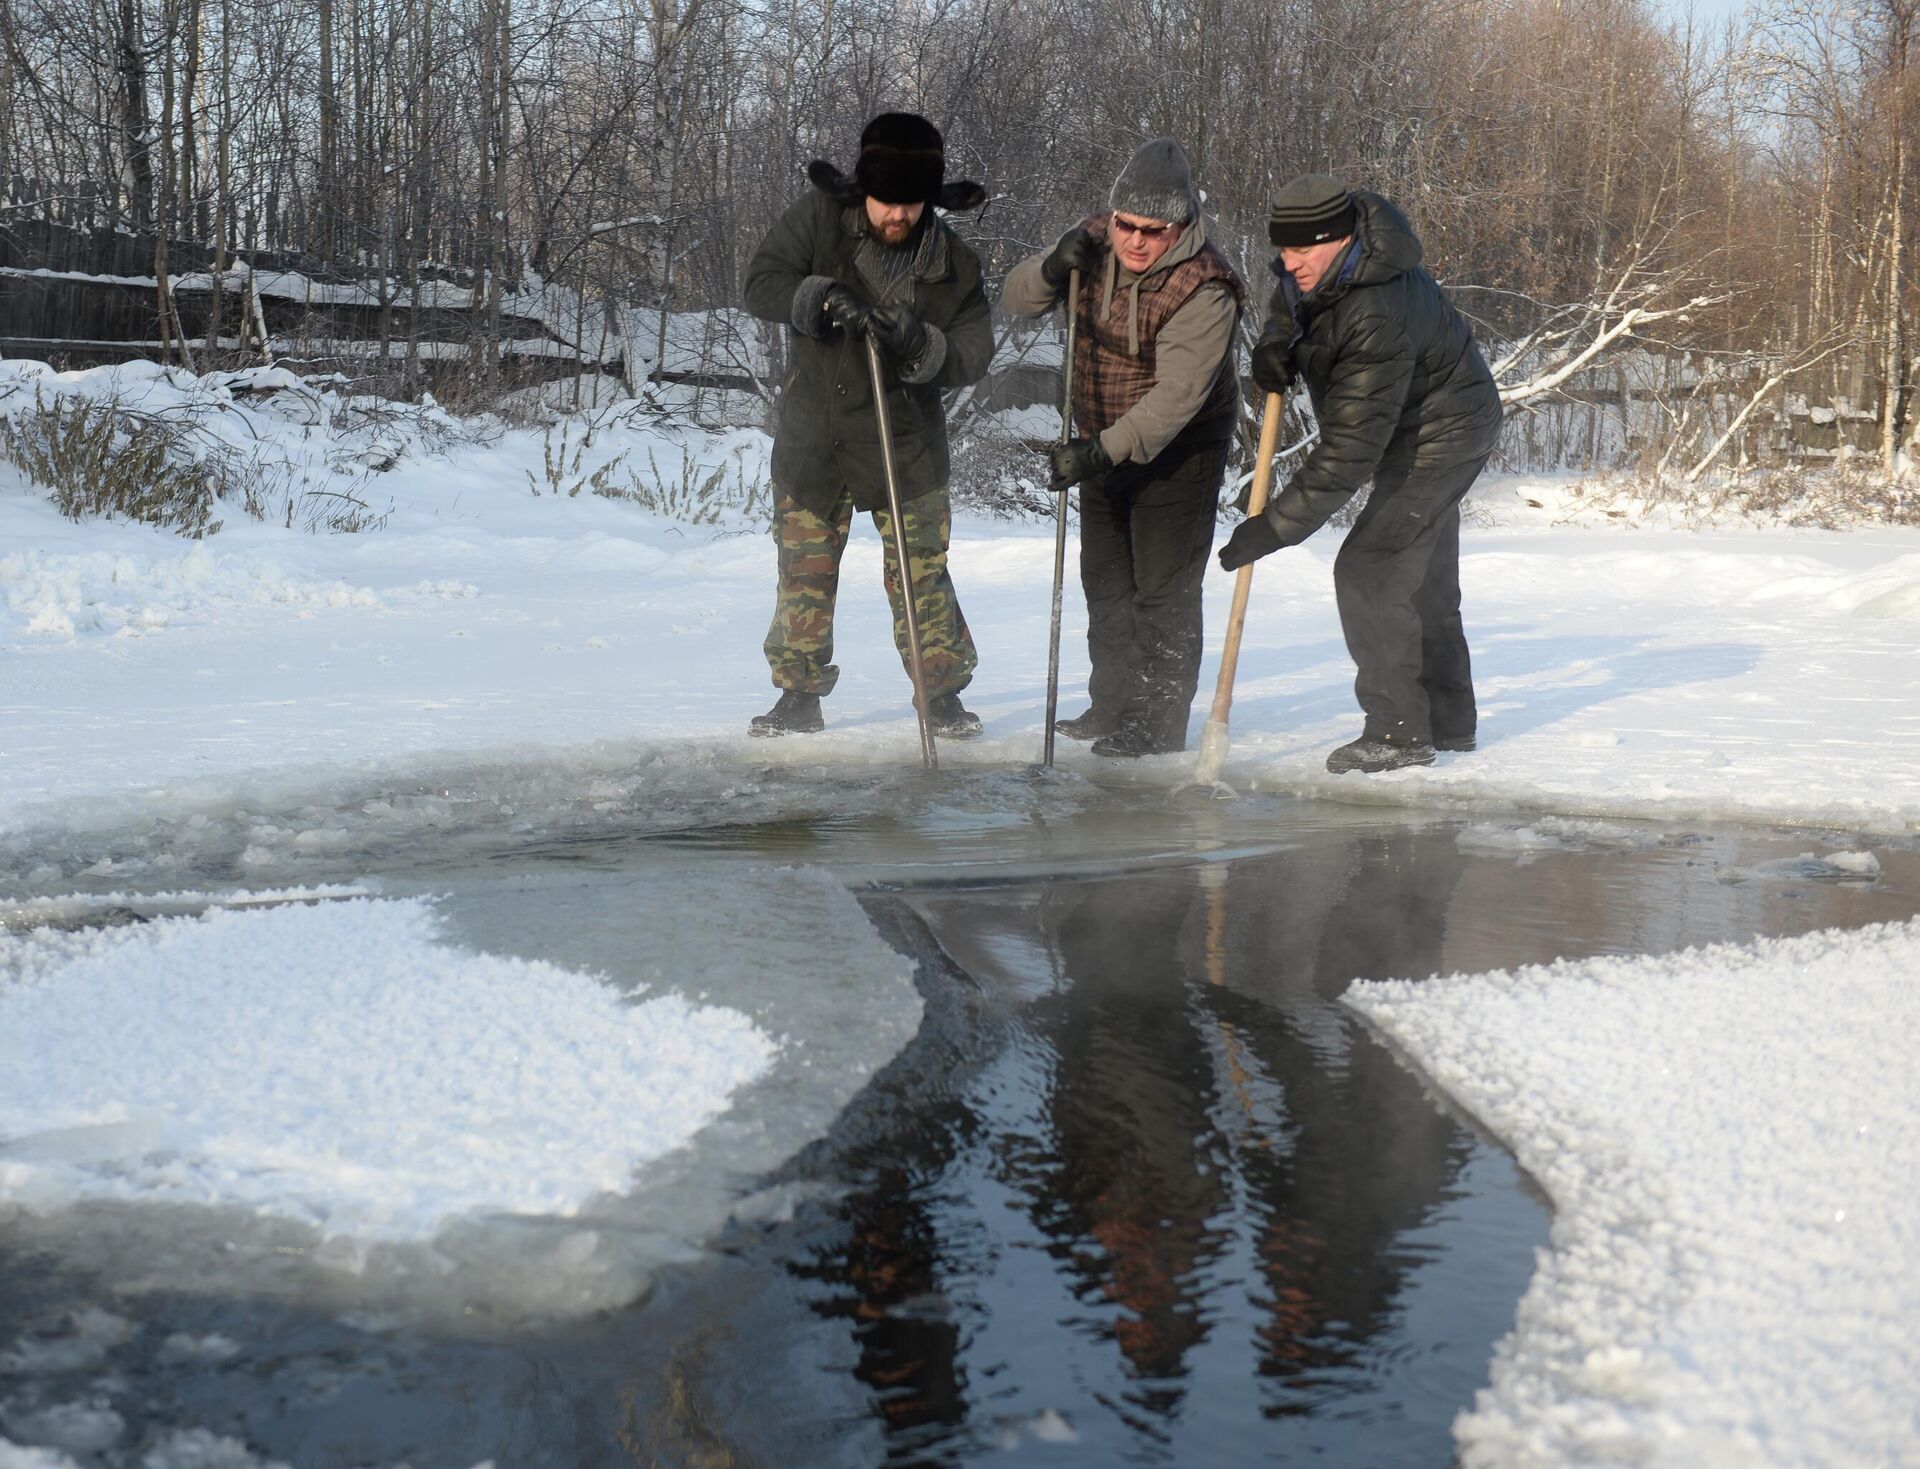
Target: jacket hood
1388,245
1388,248
1118,277
956,194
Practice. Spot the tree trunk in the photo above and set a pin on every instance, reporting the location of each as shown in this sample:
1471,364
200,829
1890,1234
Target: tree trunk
326,181
1895,358
132,66
222,183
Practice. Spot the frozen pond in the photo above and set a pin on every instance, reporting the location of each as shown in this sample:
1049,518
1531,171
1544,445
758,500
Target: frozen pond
1065,1154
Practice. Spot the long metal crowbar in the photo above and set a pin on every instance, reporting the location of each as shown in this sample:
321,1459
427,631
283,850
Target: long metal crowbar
1060,524
928,756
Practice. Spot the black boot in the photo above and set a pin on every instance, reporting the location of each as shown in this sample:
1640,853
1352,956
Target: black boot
1370,756
951,719
1092,725
795,713
1133,739
1459,744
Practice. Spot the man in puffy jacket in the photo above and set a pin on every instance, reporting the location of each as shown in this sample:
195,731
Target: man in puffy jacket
1155,400
856,258
1403,398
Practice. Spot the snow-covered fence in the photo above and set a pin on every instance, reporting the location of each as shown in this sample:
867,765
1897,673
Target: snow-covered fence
78,288
1667,411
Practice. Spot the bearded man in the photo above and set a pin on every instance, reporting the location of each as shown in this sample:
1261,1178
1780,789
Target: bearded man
866,257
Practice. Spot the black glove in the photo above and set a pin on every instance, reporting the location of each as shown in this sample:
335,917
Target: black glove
1077,250
1251,539
1272,362
1075,460
846,311
901,334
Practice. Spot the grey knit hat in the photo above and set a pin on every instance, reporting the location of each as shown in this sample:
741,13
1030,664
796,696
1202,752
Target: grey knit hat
1310,210
1157,183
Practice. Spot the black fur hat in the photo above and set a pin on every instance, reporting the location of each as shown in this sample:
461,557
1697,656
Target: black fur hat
902,161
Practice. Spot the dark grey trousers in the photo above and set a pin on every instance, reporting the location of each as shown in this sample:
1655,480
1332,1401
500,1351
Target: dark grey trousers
1397,583
1145,534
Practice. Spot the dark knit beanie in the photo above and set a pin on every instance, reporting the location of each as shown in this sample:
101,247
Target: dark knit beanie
1157,183
1310,210
902,159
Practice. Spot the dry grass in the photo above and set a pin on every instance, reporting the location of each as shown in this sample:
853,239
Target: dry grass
99,458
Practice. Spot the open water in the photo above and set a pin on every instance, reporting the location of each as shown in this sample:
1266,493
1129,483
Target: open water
1133,1188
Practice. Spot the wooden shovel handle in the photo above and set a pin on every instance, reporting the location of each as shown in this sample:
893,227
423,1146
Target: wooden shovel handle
1243,579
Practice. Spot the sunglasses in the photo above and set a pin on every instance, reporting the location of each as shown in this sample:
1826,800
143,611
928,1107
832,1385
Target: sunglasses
1144,231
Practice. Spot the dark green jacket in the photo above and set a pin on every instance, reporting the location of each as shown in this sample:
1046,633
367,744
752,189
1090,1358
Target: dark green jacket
1391,367
828,439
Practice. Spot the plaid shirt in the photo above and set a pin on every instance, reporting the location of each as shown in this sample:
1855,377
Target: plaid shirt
1108,378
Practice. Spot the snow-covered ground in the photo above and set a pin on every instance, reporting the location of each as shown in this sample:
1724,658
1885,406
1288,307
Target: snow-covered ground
501,1084
1743,672
1729,1138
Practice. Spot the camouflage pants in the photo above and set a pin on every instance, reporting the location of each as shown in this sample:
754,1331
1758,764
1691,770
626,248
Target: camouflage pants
799,644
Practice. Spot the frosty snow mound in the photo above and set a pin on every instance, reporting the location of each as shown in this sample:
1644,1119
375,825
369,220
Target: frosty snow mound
1730,1137
340,1066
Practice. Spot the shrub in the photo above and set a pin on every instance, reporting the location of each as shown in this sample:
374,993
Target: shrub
698,495
563,459
100,458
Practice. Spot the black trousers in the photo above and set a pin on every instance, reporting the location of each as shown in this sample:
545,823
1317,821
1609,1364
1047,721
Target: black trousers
1145,534
1397,584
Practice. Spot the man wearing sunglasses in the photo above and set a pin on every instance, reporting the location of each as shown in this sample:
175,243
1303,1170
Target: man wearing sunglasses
1155,401
1404,399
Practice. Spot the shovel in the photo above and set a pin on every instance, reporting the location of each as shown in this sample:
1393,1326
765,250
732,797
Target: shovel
1213,742
1060,527
928,756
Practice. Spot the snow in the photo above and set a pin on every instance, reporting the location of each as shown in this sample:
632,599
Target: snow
1728,1137
1554,834
1626,668
508,646
78,1427
347,1069
13,1456
93,1334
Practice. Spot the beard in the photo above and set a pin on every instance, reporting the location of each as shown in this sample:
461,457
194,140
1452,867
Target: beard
891,235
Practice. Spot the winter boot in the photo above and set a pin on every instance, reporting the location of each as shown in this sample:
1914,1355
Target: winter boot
950,718
1370,756
1458,744
1092,725
795,713
1130,741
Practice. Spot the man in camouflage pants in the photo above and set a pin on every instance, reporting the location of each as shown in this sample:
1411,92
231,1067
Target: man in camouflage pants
859,258
799,644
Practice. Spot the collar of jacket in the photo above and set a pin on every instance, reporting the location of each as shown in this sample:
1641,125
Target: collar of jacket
1384,246
1304,304
932,257
1118,277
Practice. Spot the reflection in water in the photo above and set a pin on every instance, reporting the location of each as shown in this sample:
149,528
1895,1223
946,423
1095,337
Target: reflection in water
1222,1173
1138,1191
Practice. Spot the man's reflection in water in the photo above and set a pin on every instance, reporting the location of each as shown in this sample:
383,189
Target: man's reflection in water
1137,1199
1201,1102
1364,1154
